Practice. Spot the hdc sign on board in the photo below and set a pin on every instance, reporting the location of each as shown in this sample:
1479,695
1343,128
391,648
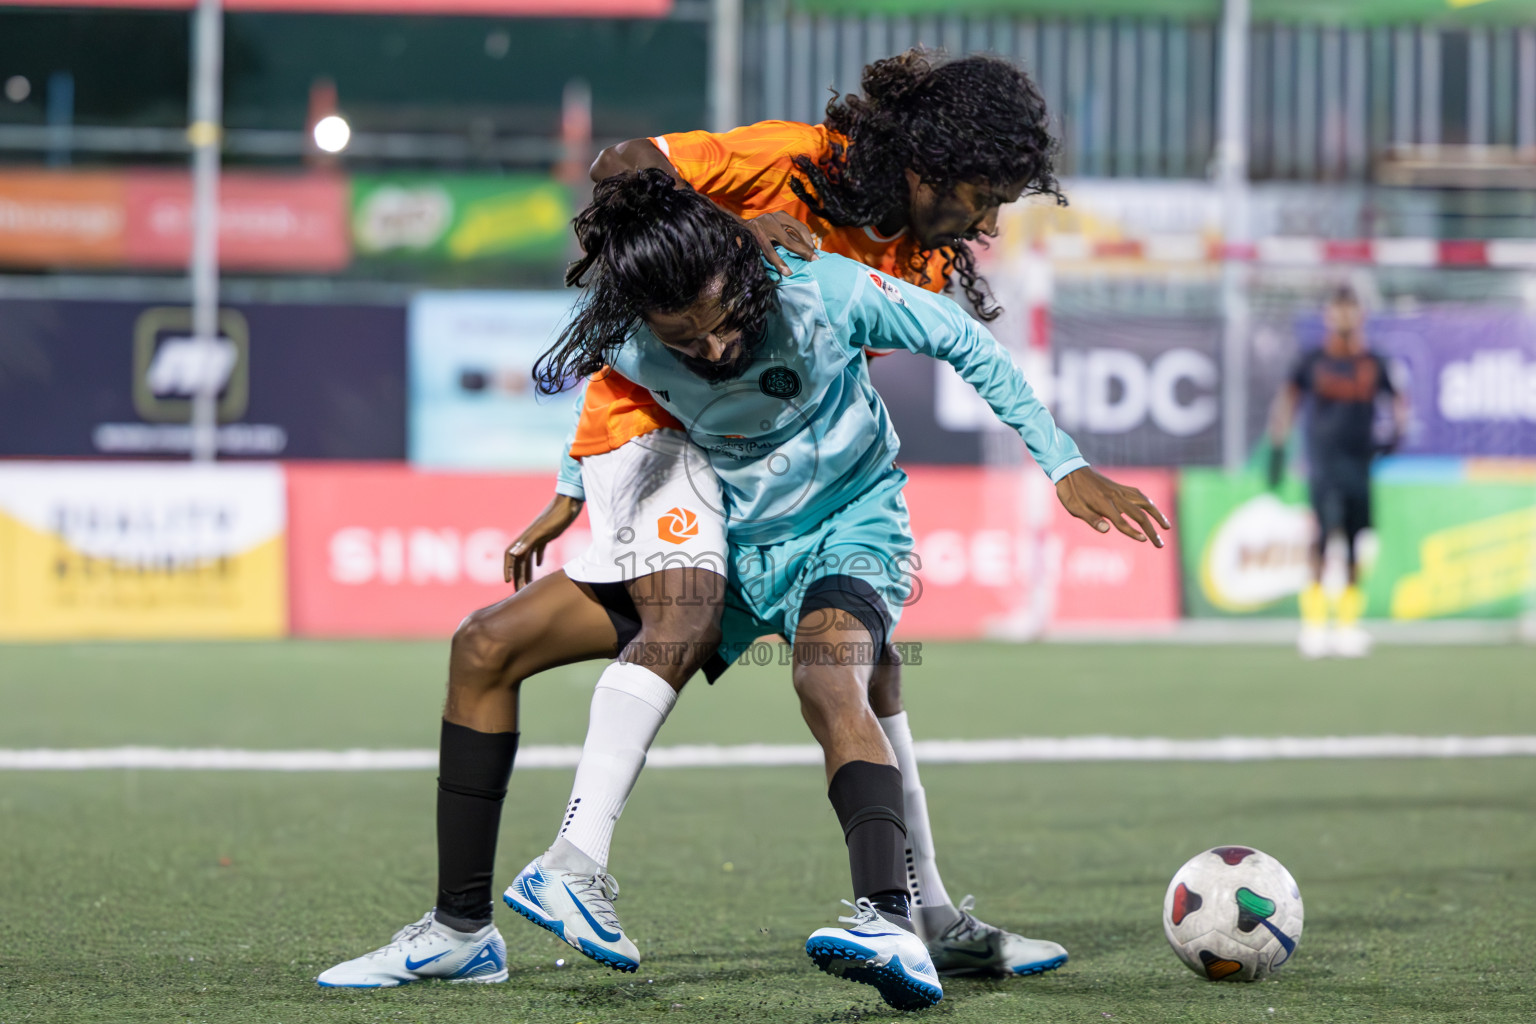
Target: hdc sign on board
390,551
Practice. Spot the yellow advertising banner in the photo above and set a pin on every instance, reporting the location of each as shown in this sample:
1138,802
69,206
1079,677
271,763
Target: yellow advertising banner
151,551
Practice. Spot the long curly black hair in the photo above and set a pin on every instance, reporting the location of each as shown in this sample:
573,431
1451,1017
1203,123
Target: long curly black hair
652,244
976,119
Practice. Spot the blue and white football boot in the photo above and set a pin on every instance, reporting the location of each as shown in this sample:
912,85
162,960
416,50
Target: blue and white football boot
873,951
971,946
425,951
578,907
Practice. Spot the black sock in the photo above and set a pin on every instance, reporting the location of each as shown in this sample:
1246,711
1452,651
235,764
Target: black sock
892,903
473,769
867,799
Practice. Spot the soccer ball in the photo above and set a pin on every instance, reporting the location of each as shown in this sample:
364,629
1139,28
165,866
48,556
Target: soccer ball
1233,913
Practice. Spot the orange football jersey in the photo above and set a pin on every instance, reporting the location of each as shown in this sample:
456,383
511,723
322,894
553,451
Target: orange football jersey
748,172
616,410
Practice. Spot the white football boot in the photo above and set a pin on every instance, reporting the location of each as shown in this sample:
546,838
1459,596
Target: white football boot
1314,642
873,951
425,951
971,946
577,907
1351,642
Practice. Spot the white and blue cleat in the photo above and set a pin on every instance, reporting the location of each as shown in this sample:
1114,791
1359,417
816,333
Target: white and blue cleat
872,951
425,951
971,946
578,907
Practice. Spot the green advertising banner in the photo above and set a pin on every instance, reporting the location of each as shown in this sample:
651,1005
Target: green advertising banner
460,219
1457,540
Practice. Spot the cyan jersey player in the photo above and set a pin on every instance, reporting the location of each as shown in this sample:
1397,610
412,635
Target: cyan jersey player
768,375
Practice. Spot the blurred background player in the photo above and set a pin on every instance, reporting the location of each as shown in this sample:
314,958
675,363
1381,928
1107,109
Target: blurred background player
1341,382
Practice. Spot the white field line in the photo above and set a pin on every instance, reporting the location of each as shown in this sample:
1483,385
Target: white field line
1029,749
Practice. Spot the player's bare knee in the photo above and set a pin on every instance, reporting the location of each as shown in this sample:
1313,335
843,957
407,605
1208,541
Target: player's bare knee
483,652
831,691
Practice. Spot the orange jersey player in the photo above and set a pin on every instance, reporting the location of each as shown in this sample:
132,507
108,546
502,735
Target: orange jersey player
750,172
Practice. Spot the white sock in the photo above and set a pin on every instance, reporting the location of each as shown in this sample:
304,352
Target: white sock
923,880
628,707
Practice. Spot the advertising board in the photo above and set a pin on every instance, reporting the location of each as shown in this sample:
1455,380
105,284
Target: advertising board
390,551
1452,539
1468,372
438,219
266,221
985,570
143,218
114,550
116,379
472,400
483,8
1132,391
49,218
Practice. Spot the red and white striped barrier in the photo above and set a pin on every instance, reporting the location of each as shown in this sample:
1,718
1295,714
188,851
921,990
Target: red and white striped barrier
1301,252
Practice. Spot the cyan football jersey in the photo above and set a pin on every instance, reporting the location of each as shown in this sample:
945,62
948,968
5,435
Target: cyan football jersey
803,432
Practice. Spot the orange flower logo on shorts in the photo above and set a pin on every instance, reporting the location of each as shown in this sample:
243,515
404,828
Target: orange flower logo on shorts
677,526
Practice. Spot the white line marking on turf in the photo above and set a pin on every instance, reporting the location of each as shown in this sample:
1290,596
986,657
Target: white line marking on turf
1036,749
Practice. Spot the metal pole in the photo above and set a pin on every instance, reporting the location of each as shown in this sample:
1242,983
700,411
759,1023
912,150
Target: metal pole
203,134
725,65
1232,177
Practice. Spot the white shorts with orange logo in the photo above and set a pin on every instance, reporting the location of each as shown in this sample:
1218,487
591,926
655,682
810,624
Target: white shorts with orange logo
653,503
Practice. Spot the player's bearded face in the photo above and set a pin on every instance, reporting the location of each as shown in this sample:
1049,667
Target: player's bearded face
705,337
938,219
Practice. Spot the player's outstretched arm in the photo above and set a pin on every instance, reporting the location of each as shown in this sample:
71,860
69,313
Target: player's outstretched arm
873,310
1101,503
528,550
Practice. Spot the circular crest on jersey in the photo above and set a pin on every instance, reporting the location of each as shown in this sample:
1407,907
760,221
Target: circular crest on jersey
779,382
709,493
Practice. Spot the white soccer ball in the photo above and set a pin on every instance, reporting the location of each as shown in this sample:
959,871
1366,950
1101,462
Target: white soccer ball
1233,913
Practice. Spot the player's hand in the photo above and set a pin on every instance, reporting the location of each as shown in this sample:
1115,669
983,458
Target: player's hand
1276,466
781,229
1100,502
528,550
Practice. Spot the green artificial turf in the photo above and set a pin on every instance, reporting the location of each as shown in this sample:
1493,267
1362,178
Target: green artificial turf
330,695
178,896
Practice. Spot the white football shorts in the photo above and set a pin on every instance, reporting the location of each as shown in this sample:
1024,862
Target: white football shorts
653,503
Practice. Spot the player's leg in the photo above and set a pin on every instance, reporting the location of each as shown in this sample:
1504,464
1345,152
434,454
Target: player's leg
958,941
840,634
677,615
932,910
657,562
1351,640
1313,641
550,622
